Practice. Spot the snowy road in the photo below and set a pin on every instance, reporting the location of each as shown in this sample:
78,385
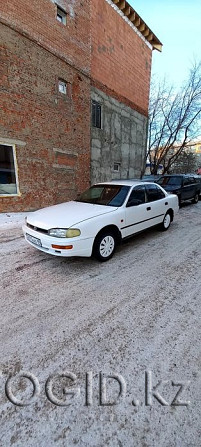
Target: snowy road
138,313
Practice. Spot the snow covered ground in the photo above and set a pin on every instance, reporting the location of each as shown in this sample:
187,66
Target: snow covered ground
9,220
138,313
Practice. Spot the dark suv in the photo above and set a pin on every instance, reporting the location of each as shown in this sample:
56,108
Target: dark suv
186,186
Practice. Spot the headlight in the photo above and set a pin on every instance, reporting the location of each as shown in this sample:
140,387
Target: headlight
64,232
73,232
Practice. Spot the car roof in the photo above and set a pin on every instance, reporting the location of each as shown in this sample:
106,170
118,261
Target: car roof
124,182
178,175
172,175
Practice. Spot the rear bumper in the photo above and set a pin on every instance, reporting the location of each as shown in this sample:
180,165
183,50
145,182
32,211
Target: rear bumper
80,247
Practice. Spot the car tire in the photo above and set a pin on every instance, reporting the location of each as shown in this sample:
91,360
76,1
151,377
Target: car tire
104,246
196,198
166,222
179,200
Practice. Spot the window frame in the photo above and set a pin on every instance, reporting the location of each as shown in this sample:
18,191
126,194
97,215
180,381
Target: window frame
157,188
94,123
118,164
137,187
17,194
62,81
63,15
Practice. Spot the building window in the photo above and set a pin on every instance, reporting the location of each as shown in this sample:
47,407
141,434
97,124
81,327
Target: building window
61,15
8,181
62,87
117,167
96,114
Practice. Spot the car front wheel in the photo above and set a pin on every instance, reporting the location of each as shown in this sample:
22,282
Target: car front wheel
104,246
166,222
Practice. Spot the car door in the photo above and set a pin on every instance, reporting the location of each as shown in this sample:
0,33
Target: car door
188,190
157,204
135,212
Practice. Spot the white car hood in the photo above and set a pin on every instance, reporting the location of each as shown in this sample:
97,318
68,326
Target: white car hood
66,214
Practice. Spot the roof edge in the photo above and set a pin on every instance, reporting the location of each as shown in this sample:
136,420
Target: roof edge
139,23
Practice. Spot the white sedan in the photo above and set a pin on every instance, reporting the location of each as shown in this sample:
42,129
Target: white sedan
100,218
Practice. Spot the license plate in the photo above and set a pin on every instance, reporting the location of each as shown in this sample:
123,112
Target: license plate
34,240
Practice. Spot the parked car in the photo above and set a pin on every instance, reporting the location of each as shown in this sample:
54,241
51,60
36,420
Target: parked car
100,218
185,186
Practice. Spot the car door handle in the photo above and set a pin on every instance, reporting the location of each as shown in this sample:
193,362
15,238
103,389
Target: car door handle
166,203
148,208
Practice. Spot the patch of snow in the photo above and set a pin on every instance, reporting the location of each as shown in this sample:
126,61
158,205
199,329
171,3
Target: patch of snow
9,220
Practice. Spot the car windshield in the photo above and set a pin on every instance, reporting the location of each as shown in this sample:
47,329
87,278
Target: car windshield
174,180
110,195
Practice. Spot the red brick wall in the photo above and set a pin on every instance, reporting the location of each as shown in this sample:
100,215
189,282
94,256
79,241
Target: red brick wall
55,162
121,61
37,19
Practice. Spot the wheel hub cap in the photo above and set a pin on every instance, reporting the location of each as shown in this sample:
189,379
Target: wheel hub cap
107,246
167,221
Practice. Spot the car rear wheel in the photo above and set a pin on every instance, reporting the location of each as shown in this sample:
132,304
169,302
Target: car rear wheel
166,222
196,198
104,246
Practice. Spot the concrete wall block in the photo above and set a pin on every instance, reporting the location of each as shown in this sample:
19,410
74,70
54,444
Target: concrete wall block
132,172
126,124
116,154
96,143
125,153
105,174
95,154
132,155
106,156
138,161
139,137
107,116
125,112
111,106
133,131
116,128
121,139
124,173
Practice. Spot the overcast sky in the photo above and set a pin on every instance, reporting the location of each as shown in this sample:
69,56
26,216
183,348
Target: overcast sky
177,24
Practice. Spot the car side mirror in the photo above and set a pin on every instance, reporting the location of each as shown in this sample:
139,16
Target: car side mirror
134,202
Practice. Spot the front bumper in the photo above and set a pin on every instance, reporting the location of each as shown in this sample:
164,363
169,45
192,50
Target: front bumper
80,247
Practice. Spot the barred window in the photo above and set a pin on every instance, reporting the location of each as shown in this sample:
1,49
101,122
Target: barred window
96,114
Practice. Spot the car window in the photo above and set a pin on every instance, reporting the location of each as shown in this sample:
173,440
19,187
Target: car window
192,180
137,196
170,180
154,193
187,181
198,179
110,195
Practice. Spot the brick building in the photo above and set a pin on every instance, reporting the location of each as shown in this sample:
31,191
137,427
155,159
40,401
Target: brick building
74,97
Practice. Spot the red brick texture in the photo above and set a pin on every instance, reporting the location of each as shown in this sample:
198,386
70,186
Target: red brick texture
121,61
37,20
36,51
54,165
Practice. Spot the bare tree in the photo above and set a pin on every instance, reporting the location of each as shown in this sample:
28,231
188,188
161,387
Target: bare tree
186,162
173,120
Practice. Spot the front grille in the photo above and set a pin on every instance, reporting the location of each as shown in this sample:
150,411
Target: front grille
40,230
